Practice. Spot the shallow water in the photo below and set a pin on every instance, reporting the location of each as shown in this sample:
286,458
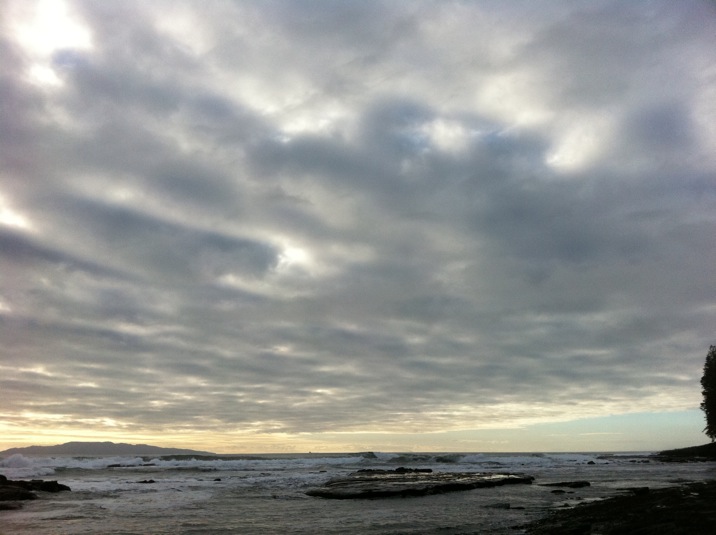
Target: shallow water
266,494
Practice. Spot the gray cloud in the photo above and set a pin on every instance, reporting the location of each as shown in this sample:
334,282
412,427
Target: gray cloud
365,216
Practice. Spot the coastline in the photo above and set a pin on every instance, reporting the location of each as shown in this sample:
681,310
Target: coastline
688,509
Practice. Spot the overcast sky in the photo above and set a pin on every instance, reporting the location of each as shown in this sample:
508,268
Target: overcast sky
276,225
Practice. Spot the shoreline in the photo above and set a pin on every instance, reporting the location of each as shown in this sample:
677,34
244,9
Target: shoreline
686,509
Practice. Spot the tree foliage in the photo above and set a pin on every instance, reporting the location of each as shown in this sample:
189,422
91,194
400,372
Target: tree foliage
708,389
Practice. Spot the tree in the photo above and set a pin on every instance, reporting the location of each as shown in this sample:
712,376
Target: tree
708,389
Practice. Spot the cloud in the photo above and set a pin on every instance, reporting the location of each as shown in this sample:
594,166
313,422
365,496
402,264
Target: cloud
355,217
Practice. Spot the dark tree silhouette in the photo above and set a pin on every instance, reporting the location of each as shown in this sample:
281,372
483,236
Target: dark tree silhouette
708,389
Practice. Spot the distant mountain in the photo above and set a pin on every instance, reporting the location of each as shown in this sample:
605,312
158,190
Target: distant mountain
101,448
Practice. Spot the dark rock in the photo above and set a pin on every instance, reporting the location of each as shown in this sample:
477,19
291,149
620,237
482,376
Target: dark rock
52,486
12,493
638,491
410,482
568,484
10,506
34,484
146,481
498,506
558,491
591,462
401,470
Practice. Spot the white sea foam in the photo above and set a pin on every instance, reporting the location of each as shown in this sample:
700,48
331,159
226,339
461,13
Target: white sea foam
19,466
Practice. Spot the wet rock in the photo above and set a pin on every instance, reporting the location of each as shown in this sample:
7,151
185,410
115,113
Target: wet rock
498,506
7,486
684,510
410,482
10,506
638,491
568,484
401,470
9,493
51,486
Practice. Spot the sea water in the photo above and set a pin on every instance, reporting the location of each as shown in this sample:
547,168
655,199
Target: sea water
265,494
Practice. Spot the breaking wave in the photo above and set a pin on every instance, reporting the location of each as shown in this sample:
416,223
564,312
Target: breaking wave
21,466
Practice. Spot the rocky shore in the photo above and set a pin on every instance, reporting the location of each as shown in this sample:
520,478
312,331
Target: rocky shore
14,492
686,509
689,509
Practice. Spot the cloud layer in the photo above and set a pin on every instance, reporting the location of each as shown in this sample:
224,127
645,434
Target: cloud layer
320,217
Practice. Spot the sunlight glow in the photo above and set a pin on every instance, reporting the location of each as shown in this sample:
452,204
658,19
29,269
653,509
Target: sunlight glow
447,135
43,29
50,28
293,256
12,218
580,144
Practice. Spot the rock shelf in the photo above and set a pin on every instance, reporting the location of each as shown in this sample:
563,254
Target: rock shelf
404,482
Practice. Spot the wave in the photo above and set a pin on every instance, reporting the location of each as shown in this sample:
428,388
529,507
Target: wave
20,466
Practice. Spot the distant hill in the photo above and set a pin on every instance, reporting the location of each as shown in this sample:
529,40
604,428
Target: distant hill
707,451
101,448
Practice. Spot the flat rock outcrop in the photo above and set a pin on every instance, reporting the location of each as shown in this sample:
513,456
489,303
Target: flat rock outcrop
404,482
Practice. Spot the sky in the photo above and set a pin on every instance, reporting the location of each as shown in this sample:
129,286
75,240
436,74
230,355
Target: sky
320,225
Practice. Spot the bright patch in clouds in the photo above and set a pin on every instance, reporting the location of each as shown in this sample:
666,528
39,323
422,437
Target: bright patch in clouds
44,27
292,258
449,136
581,142
12,218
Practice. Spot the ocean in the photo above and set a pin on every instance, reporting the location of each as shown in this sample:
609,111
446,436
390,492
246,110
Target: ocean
265,494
